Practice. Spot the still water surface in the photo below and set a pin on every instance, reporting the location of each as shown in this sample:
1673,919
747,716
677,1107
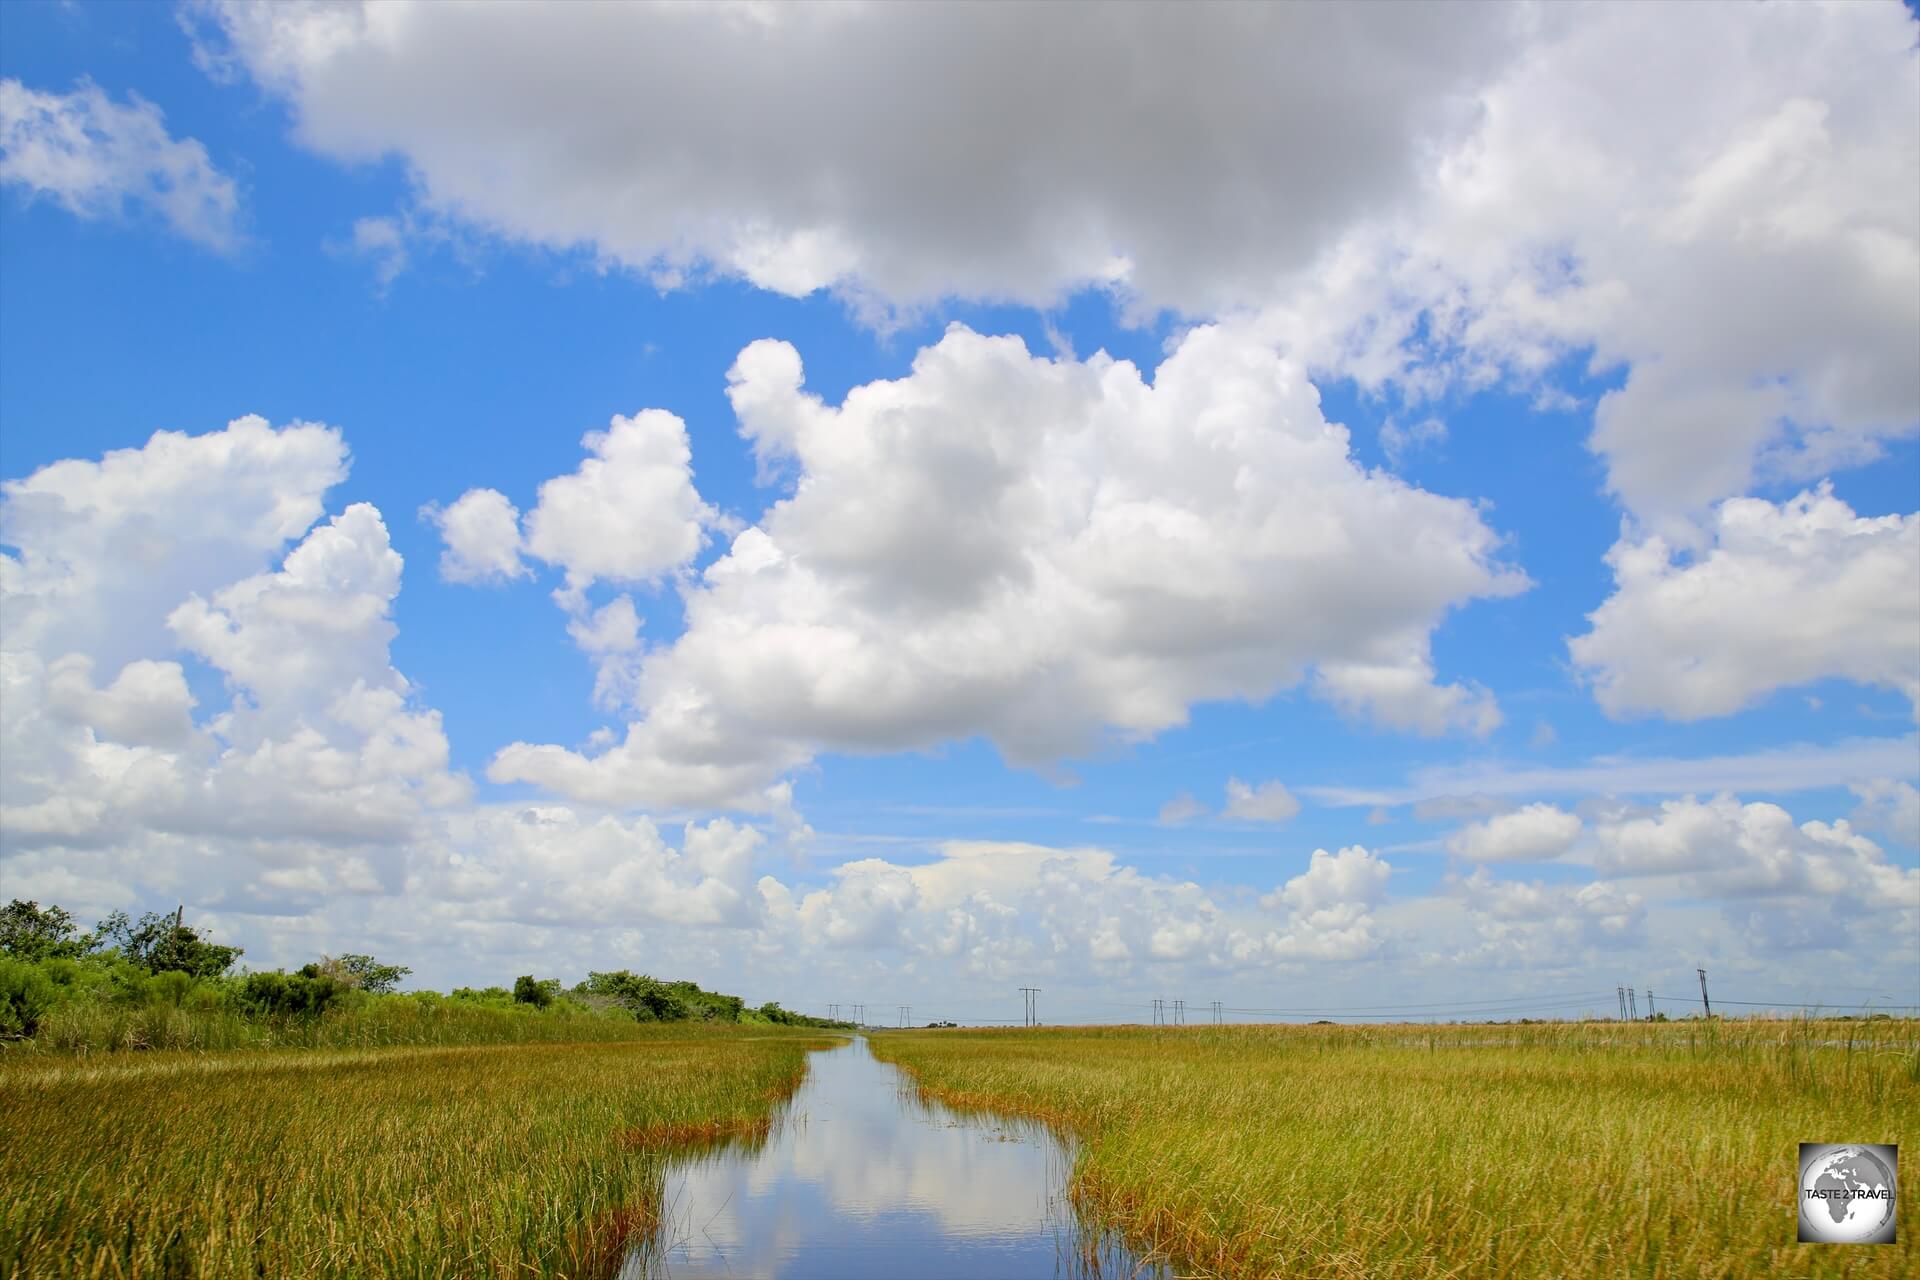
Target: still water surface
862,1179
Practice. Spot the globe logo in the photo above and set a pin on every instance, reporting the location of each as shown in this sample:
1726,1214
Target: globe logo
1847,1193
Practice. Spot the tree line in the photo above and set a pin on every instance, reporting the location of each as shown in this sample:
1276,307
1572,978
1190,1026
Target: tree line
158,981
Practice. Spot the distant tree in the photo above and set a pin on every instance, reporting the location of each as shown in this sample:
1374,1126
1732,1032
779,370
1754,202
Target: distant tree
161,944
647,999
529,990
364,972
34,933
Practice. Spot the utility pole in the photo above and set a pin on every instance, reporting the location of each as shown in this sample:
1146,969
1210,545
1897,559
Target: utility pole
1030,996
1703,991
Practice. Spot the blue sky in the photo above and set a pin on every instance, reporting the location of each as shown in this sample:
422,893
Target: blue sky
463,291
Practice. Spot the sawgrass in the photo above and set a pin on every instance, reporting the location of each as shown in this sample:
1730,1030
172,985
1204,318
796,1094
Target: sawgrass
515,1159
1573,1150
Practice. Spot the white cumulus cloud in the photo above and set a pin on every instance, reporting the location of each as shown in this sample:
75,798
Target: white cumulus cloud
1724,848
684,139
1046,553
482,534
1534,833
1742,237
1786,593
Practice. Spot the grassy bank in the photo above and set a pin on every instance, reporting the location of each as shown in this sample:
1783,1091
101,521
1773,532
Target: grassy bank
1597,1150
521,1159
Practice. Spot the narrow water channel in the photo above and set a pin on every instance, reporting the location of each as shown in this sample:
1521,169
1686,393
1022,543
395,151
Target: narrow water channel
861,1179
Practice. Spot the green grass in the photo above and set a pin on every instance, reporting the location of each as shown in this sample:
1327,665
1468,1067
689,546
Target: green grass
1597,1150
87,1027
511,1159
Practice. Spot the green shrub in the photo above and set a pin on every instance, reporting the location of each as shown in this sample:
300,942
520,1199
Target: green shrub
289,995
529,990
26,995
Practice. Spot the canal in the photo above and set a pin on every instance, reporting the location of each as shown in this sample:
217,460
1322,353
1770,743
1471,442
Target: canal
862,1179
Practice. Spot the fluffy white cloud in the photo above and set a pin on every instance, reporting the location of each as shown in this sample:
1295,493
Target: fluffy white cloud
93,156
105,550
1743,235
1786,594
1261,802
630,512
319,769
678,138
1535,833
998,911
1331,908
551,864
482,533
1042,552
1723,848
1529,923
1397,688
1351,876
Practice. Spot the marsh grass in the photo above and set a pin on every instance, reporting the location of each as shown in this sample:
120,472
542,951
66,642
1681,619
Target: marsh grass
88,1027
1570,1150
492,1160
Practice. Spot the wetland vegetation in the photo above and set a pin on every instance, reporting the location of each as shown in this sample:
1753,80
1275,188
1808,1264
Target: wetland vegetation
476,1160
1597,1149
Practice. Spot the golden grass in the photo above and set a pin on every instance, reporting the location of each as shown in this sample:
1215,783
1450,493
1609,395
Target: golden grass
487,1160
1596,1150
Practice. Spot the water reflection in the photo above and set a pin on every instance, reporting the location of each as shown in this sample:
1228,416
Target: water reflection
860,1178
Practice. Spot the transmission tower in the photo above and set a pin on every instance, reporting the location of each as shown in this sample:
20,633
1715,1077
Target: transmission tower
1030,996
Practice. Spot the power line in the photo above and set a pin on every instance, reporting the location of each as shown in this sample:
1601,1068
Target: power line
1813,1004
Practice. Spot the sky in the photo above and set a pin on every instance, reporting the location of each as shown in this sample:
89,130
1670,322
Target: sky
1316,508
